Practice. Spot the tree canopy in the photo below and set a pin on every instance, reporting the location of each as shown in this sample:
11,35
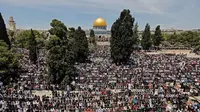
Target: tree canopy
58,29
8,63
22,39
60,61
70,37
92,33
32,48
61,54
92,37
146,41
92,41
157,37
3,32
197,49
136,35
80,48
186,39
122,38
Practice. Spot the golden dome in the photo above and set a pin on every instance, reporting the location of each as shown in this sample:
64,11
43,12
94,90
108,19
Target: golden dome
100,22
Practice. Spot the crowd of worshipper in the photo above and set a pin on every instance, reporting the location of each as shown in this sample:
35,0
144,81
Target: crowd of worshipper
148,83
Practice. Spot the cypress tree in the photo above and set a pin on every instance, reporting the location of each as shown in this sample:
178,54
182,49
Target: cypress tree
122,39
80,45
71,33
70,37
60,61
61,57
8,64
157,38
92,37
92,33
146,38
136,35
3,32
58,28
32,48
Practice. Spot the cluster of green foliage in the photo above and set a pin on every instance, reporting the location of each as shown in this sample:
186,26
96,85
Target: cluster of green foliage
11,35
165,36
3,32
92,37
125,38
80,48
58,29
60,61
149,40
8,63
157,37
136,36
65,47
22,39
197,49
33,48
71,39
185,39
146,41
8,59
92,41
122,38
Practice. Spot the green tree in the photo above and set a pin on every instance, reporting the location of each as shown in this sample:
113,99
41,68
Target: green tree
165,36
61,58
40,42
172,39
157,38
3,32
80,48
136,35
71,38
146,41
8,64
60,61
58,29
11,33
32,48
185,39
92,33
71,32
11,36
190,38
92,37
197,49
22,39
92,41
122,38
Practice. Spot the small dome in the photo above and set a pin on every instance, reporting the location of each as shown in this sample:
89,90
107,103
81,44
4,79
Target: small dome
100,22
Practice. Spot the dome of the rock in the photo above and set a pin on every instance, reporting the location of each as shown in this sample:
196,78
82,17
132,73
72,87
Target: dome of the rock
100,22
